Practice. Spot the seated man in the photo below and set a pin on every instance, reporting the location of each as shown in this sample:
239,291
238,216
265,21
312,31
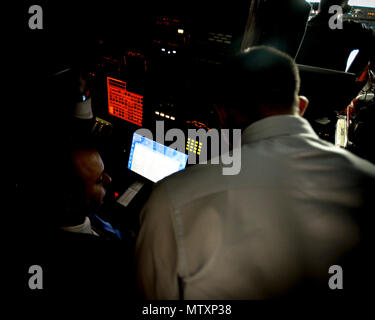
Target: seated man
296,208
65,233
329,48
86,183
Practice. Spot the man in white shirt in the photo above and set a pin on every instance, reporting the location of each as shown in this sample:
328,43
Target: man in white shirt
295,209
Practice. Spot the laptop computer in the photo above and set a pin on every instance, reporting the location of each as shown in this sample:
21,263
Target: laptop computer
152,162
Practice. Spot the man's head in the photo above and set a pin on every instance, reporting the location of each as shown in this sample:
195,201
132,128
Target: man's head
262,82
89,170
85,183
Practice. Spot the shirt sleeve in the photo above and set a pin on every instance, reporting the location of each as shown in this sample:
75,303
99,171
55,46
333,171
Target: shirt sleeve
156,249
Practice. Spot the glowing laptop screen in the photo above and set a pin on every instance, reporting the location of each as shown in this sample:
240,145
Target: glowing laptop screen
153,160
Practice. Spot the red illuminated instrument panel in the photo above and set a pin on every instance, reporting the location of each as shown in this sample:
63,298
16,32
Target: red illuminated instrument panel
124,104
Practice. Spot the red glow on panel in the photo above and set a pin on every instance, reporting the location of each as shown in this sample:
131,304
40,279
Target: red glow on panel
198,124
123,103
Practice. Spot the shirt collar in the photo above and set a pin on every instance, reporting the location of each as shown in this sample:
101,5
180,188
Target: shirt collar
84,227
273,126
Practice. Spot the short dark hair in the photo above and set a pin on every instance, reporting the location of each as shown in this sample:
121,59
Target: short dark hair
262,76
69,169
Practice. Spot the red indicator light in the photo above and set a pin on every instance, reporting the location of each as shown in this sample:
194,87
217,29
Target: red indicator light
124,104
116,195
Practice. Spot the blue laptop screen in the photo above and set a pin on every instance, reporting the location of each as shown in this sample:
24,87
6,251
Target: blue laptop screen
153,160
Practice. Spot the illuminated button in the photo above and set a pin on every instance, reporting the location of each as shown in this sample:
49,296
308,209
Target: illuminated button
180,31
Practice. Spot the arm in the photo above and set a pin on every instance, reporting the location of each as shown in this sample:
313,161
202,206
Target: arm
156,249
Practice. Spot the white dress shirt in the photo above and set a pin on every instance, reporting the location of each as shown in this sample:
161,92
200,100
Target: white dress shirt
85,227
287,215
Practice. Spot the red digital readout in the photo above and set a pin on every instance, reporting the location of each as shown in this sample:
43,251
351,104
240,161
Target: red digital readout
123,103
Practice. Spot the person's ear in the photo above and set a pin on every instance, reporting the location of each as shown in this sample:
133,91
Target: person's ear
303,103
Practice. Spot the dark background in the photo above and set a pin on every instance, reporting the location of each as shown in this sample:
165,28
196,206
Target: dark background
40,102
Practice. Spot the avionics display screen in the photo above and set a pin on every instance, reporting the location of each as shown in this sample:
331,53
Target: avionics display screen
362,3
354,3
124,104
153,160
